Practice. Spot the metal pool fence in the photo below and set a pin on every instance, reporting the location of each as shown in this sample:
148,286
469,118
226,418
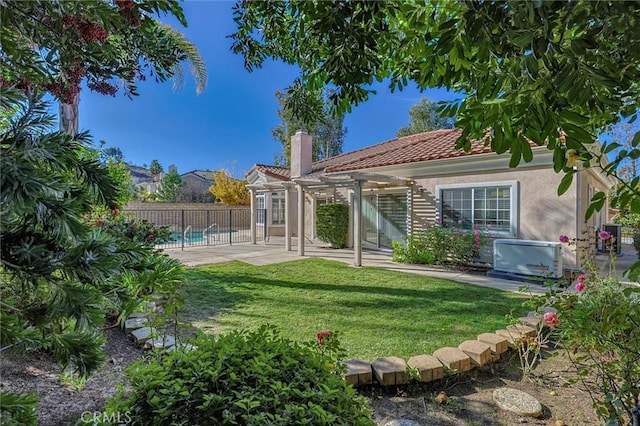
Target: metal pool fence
191,228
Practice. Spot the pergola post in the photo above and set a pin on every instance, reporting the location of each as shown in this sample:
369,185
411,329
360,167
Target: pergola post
357,223
300,220
254,216
287,217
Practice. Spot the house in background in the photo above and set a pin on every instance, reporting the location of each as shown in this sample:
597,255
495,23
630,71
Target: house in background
397,186
195,186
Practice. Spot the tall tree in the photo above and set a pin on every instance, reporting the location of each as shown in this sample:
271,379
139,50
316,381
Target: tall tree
169,188
328,131
58,272
155,168
57,45
424,117
555,73
111,153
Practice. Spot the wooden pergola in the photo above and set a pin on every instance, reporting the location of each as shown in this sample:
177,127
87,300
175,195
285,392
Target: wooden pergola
357,181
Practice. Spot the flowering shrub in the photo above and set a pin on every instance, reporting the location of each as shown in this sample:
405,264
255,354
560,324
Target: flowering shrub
599,326
123,225
436,244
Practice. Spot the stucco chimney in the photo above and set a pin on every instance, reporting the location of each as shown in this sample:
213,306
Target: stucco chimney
301,144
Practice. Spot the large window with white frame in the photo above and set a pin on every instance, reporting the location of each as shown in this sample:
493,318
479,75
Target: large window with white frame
492,206
277,209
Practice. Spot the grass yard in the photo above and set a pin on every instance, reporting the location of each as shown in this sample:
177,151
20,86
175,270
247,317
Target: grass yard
377,312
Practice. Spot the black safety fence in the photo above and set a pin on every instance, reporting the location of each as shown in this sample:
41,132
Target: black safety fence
192,228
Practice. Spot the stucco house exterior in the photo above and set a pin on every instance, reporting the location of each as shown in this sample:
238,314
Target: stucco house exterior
397,186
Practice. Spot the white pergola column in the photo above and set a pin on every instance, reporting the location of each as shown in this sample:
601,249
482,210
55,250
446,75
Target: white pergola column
254,215
300,220
287,217
357,223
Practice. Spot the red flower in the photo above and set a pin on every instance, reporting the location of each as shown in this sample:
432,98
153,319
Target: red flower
550,319
320,336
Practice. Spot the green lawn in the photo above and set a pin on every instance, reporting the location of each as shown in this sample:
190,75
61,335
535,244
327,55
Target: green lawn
377,312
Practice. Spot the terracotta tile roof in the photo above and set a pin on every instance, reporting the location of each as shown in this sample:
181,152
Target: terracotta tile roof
434,145
277,172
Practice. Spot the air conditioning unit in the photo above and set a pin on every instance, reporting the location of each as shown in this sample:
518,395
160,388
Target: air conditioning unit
526,257
615,243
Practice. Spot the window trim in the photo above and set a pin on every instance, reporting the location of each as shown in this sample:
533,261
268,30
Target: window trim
514,202
280,198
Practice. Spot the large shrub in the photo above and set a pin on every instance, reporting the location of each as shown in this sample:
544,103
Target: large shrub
242,378
598,323
332,224
436,244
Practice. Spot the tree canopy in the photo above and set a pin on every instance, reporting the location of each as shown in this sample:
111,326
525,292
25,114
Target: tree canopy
53,46
424,117
555,73
328,130
229,190
169,188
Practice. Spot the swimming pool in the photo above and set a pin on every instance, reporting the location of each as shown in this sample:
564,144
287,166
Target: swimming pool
196,236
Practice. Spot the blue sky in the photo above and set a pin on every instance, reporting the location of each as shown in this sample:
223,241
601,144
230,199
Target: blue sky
229,125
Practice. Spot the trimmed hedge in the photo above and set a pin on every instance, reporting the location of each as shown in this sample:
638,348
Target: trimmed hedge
242,378
332,224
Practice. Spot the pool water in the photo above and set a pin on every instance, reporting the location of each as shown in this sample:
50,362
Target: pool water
195,236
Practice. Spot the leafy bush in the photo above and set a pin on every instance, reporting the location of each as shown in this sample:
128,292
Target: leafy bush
124,225
332,224
18,409
599,326
435,244
242,378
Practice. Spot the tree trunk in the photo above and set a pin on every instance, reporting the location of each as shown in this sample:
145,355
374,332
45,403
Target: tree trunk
69,117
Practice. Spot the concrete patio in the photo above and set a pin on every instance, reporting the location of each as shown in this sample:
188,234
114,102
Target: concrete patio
273,251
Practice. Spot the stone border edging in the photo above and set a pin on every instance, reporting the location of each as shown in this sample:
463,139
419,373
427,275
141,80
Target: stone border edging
470,354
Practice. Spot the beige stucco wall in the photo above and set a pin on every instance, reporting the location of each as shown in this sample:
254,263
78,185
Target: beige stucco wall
542,214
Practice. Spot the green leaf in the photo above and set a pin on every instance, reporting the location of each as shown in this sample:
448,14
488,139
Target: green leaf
611,147
565,183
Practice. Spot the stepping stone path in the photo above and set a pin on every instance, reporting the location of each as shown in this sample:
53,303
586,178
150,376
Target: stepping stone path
136,325
517,402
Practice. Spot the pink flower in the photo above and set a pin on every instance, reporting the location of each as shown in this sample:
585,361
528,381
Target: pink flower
564,239
320,336
580,286
581,278
604,235
550,319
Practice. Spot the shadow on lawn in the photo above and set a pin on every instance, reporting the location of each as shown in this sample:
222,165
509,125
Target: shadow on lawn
211,293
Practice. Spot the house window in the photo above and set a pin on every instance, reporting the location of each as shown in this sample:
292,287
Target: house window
277,211
260,209
491,206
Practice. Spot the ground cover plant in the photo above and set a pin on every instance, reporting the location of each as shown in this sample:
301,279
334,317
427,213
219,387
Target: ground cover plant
377,312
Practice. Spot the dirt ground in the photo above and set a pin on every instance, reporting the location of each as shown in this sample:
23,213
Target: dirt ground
469,396
61,404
